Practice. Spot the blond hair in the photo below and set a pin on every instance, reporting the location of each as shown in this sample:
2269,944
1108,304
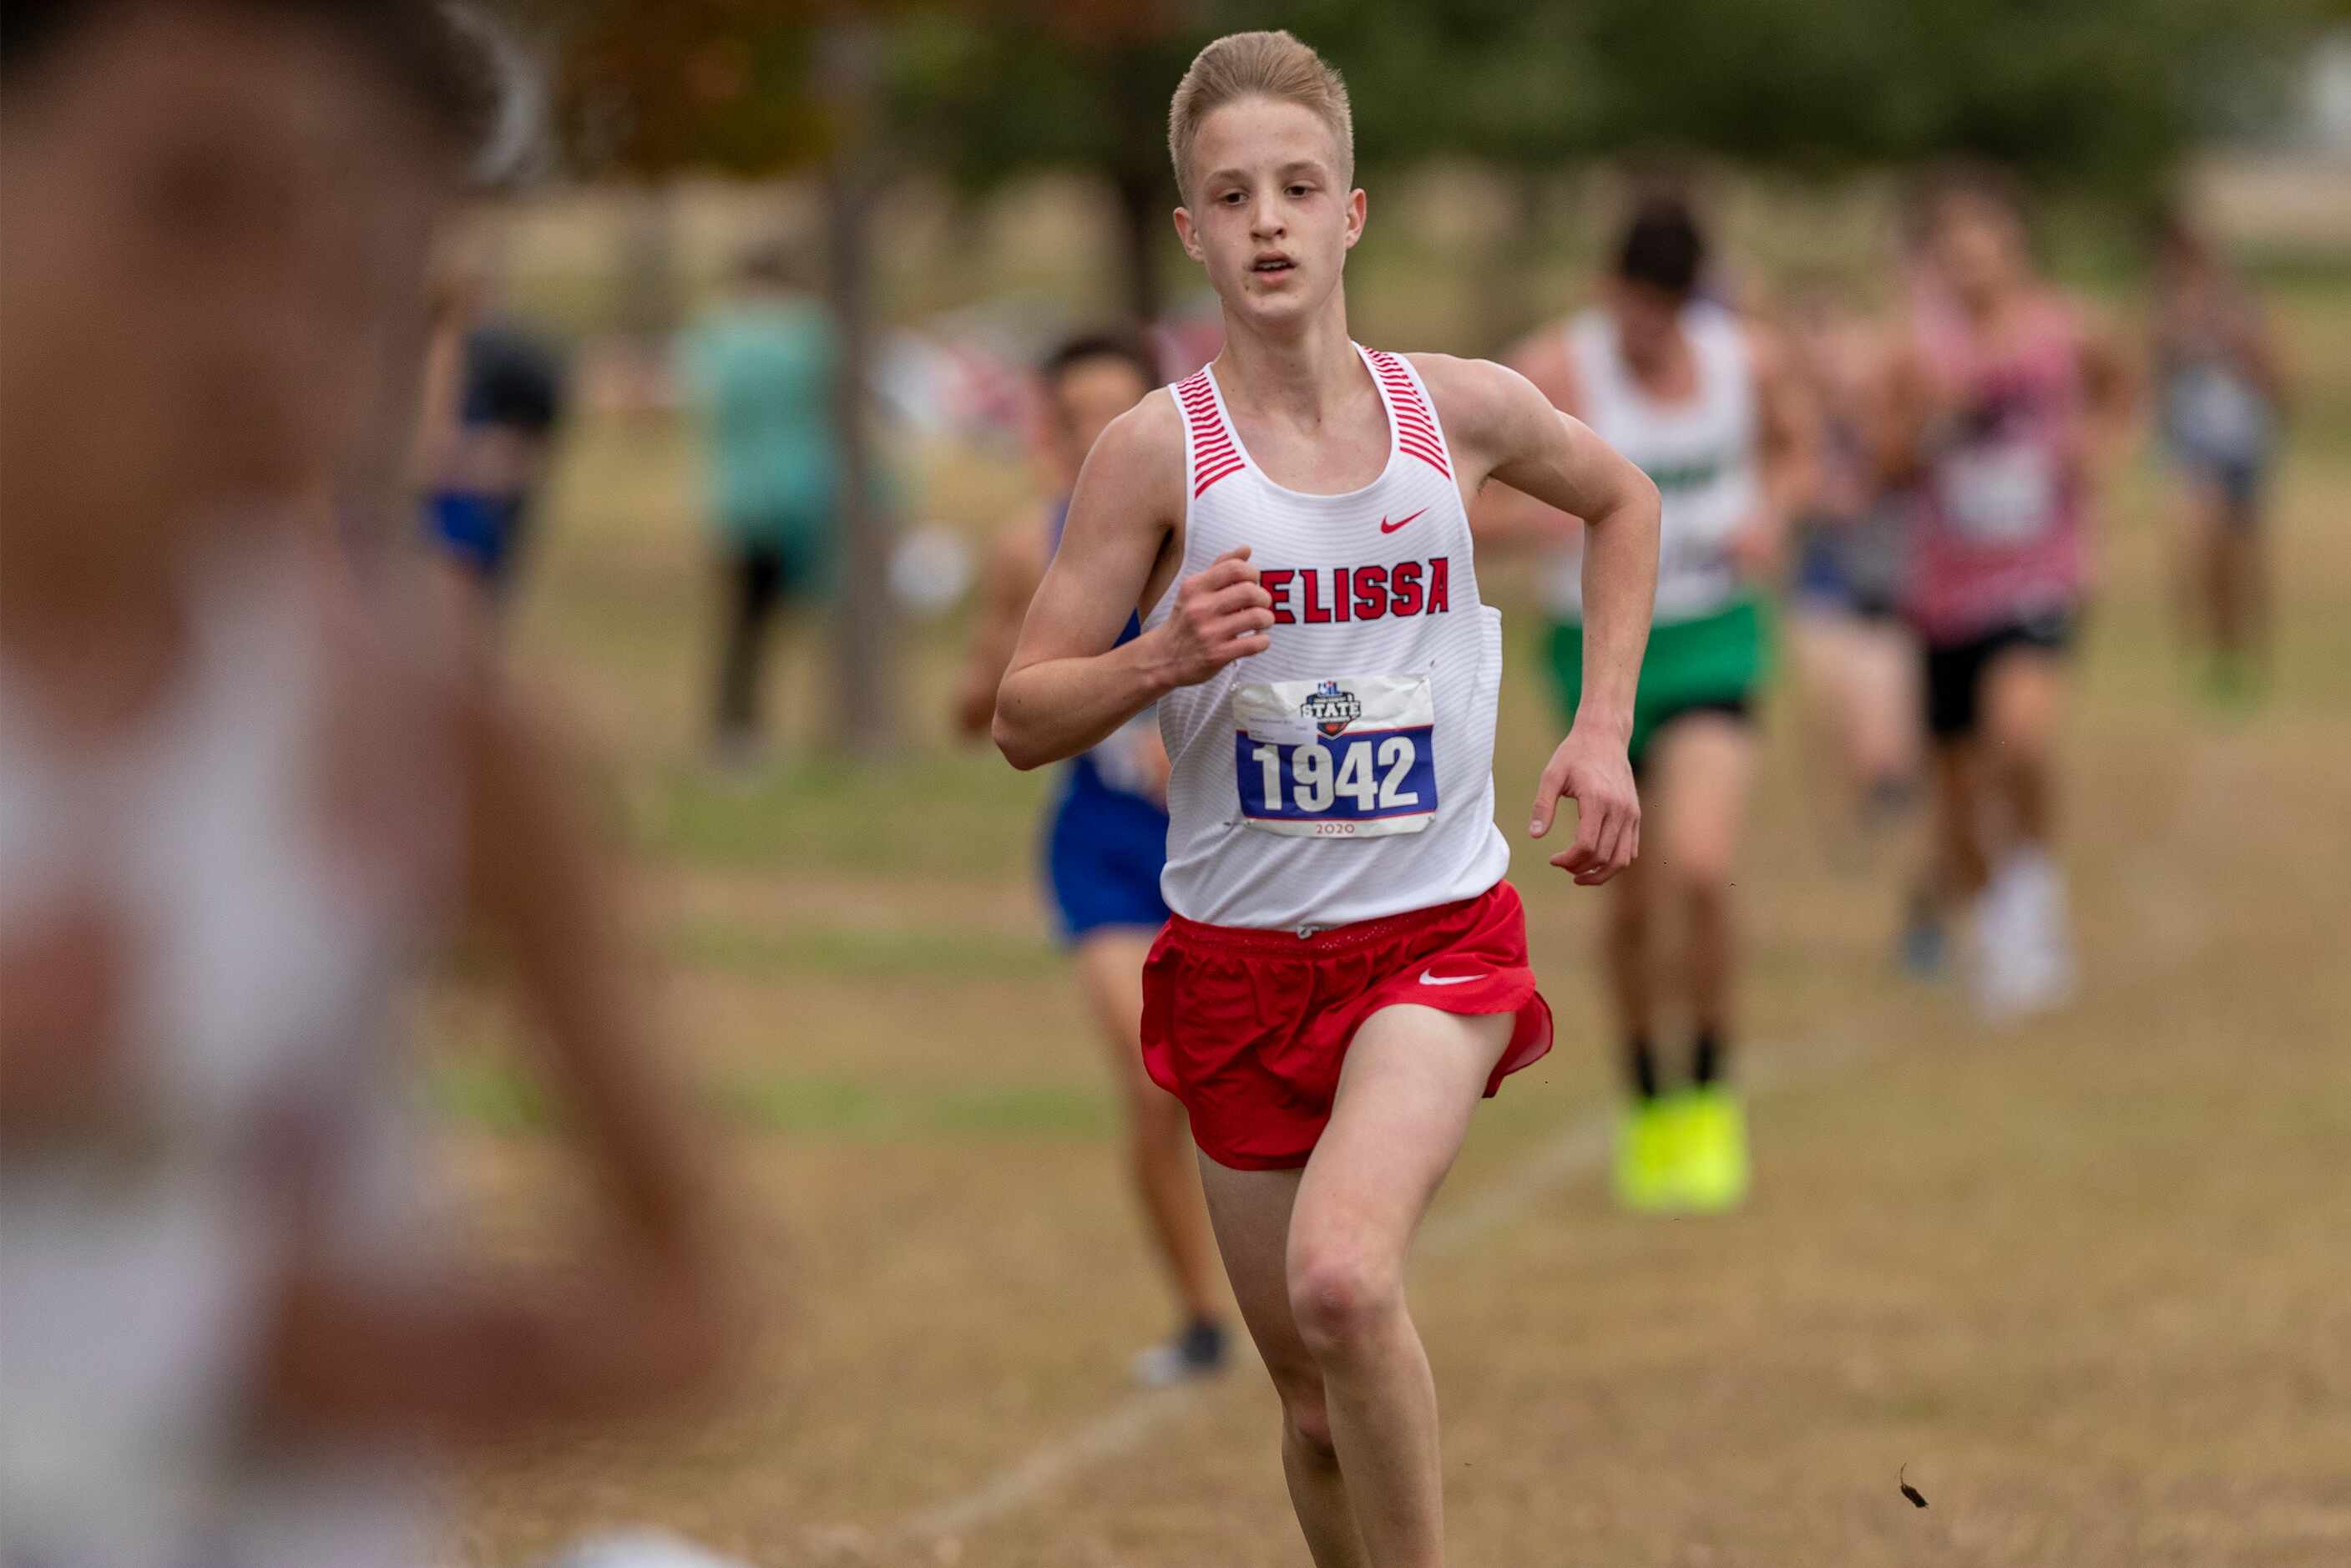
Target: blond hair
1259,65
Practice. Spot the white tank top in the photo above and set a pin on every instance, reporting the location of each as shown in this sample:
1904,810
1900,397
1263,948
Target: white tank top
1700,451
1346,773
258,975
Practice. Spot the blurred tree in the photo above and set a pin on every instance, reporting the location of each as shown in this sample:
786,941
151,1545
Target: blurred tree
988,93
2101,95
651,87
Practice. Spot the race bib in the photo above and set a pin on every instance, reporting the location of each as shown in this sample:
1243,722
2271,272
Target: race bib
1347,759
2002,494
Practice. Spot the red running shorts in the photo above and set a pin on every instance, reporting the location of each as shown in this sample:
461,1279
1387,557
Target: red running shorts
1248,1027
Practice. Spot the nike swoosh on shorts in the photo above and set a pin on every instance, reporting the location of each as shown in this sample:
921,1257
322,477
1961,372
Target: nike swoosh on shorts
1428,979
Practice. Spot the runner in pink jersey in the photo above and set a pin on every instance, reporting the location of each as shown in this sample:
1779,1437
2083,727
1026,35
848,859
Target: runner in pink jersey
2001,406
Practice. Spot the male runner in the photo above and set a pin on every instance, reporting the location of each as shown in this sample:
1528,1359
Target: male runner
1700,399
1856,659
1345,973
2000,405
1105,845
2221,393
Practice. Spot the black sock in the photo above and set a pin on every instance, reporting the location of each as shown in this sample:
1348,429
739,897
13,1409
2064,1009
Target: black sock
1641,1060
1709,1058
1202,1343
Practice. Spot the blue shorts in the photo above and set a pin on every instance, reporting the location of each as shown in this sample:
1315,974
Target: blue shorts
1103,851
482,532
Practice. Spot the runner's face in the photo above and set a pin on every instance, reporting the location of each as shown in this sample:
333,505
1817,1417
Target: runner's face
219,214
1088,396
1271,219
1978,246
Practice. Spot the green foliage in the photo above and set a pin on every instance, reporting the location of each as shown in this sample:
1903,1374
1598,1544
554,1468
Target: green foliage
2101,94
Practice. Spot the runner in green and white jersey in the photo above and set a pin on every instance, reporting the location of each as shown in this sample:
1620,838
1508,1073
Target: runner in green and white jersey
1697,397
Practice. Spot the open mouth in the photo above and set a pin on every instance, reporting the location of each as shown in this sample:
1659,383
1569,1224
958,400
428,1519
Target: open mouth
1273,266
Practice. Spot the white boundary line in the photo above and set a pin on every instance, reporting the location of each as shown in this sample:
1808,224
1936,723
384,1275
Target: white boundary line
1577,1148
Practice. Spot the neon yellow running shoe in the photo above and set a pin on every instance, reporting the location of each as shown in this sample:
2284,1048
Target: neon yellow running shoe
1710,1141
1647,1155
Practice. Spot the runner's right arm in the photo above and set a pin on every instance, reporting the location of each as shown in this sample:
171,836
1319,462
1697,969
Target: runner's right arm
1070,686
1015,564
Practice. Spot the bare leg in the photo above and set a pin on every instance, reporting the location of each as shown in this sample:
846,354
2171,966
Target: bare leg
1859,682
1961,866
1884,684
2197,590
1252,1210
1158,1134
2024,705
1365,1431
2243,623
1625,953
1412,1079
1703,766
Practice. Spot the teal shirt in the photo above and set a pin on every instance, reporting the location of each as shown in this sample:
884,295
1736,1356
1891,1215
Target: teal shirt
763,369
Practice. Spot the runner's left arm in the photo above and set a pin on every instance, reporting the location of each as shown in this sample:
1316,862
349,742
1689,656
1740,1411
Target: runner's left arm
1503,427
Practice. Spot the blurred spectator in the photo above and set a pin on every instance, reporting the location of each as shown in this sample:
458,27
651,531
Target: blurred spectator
2221,395
236,801
763,365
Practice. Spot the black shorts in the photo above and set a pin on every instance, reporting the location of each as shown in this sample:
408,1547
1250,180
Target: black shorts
1956,671
1740,708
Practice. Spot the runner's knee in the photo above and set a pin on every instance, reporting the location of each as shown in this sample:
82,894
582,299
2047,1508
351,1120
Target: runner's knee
1338,1298
1701,874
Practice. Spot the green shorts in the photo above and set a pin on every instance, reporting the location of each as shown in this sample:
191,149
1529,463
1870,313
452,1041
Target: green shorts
1714,663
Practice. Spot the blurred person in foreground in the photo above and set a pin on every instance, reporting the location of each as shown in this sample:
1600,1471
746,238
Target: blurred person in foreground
1105,845
1705,402
1345,975
763,365
2221,398
2005,402
240,794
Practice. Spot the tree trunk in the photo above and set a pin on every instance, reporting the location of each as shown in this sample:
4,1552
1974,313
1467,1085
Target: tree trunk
1132,75
1142,216
866,693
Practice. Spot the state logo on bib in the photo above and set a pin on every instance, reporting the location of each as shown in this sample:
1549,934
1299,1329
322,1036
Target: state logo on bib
1352,757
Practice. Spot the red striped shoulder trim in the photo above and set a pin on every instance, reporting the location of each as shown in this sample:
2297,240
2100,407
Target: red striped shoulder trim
1215,453
1416,421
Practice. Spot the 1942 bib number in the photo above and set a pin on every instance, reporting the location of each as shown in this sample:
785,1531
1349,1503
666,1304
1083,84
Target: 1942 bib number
1338,759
